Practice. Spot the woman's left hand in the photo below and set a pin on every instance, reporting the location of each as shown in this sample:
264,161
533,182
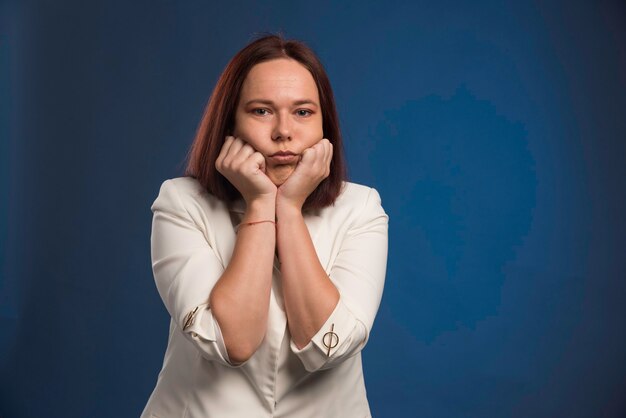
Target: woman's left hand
314,166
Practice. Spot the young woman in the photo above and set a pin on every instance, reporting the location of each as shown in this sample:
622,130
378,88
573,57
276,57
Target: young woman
269,262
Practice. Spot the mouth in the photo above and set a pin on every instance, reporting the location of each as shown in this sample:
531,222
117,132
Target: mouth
284,157
281,153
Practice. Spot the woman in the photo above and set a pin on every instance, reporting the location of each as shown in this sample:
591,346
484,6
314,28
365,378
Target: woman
256,333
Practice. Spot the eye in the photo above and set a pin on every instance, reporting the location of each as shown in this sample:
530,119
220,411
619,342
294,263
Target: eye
259,110
306,112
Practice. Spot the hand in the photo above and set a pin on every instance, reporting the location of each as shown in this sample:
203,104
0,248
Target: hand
245,168
314,166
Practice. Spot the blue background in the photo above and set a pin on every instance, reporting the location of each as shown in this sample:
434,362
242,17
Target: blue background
493,130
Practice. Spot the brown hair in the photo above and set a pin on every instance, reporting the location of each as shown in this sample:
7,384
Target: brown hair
219,119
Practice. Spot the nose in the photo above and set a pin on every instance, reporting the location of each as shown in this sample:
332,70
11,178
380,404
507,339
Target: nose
282,128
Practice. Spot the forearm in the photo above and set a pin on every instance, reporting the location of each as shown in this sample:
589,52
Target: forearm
240,298
309,294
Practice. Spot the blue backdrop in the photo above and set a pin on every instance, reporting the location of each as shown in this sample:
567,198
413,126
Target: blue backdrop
494,131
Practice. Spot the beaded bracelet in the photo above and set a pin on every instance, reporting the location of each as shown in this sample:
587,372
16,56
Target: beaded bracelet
253,223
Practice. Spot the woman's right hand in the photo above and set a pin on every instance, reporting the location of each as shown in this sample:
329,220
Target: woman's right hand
245,168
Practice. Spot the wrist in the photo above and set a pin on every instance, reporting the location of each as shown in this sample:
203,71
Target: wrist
262,208
286,210
284,204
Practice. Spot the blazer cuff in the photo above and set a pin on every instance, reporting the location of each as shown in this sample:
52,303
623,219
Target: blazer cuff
335,337
204,331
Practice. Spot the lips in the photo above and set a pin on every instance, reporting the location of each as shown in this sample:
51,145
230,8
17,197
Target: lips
282,153
284,157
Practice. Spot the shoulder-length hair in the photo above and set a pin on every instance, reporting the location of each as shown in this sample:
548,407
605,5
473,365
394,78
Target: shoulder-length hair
219,119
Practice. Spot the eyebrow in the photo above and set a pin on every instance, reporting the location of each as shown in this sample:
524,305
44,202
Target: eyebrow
271,103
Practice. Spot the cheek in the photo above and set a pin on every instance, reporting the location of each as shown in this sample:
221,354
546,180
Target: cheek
315,135
312,130
319,130
249,132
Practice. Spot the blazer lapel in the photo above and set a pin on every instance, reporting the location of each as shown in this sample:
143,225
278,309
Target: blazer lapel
313,223
322,238
223,222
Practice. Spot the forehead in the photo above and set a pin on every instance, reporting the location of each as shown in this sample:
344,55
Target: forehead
279,77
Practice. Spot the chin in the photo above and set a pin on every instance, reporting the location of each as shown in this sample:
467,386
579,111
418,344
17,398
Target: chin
278,181
278,177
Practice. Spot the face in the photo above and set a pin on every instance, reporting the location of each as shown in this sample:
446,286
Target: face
279,110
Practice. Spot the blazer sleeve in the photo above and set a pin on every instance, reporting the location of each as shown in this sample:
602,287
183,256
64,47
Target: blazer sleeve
358,272
185,270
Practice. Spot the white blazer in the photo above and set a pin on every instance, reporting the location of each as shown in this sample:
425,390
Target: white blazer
193,236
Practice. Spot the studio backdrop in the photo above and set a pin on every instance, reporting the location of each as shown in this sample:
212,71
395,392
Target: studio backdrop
494,132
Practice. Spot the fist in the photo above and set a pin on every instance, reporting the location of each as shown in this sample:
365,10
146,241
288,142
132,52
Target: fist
244,167
314,166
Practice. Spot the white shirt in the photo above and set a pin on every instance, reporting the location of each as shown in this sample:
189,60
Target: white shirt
193,236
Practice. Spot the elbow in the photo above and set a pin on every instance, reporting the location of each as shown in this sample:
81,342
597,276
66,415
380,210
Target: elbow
235,359
241,336
240,353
